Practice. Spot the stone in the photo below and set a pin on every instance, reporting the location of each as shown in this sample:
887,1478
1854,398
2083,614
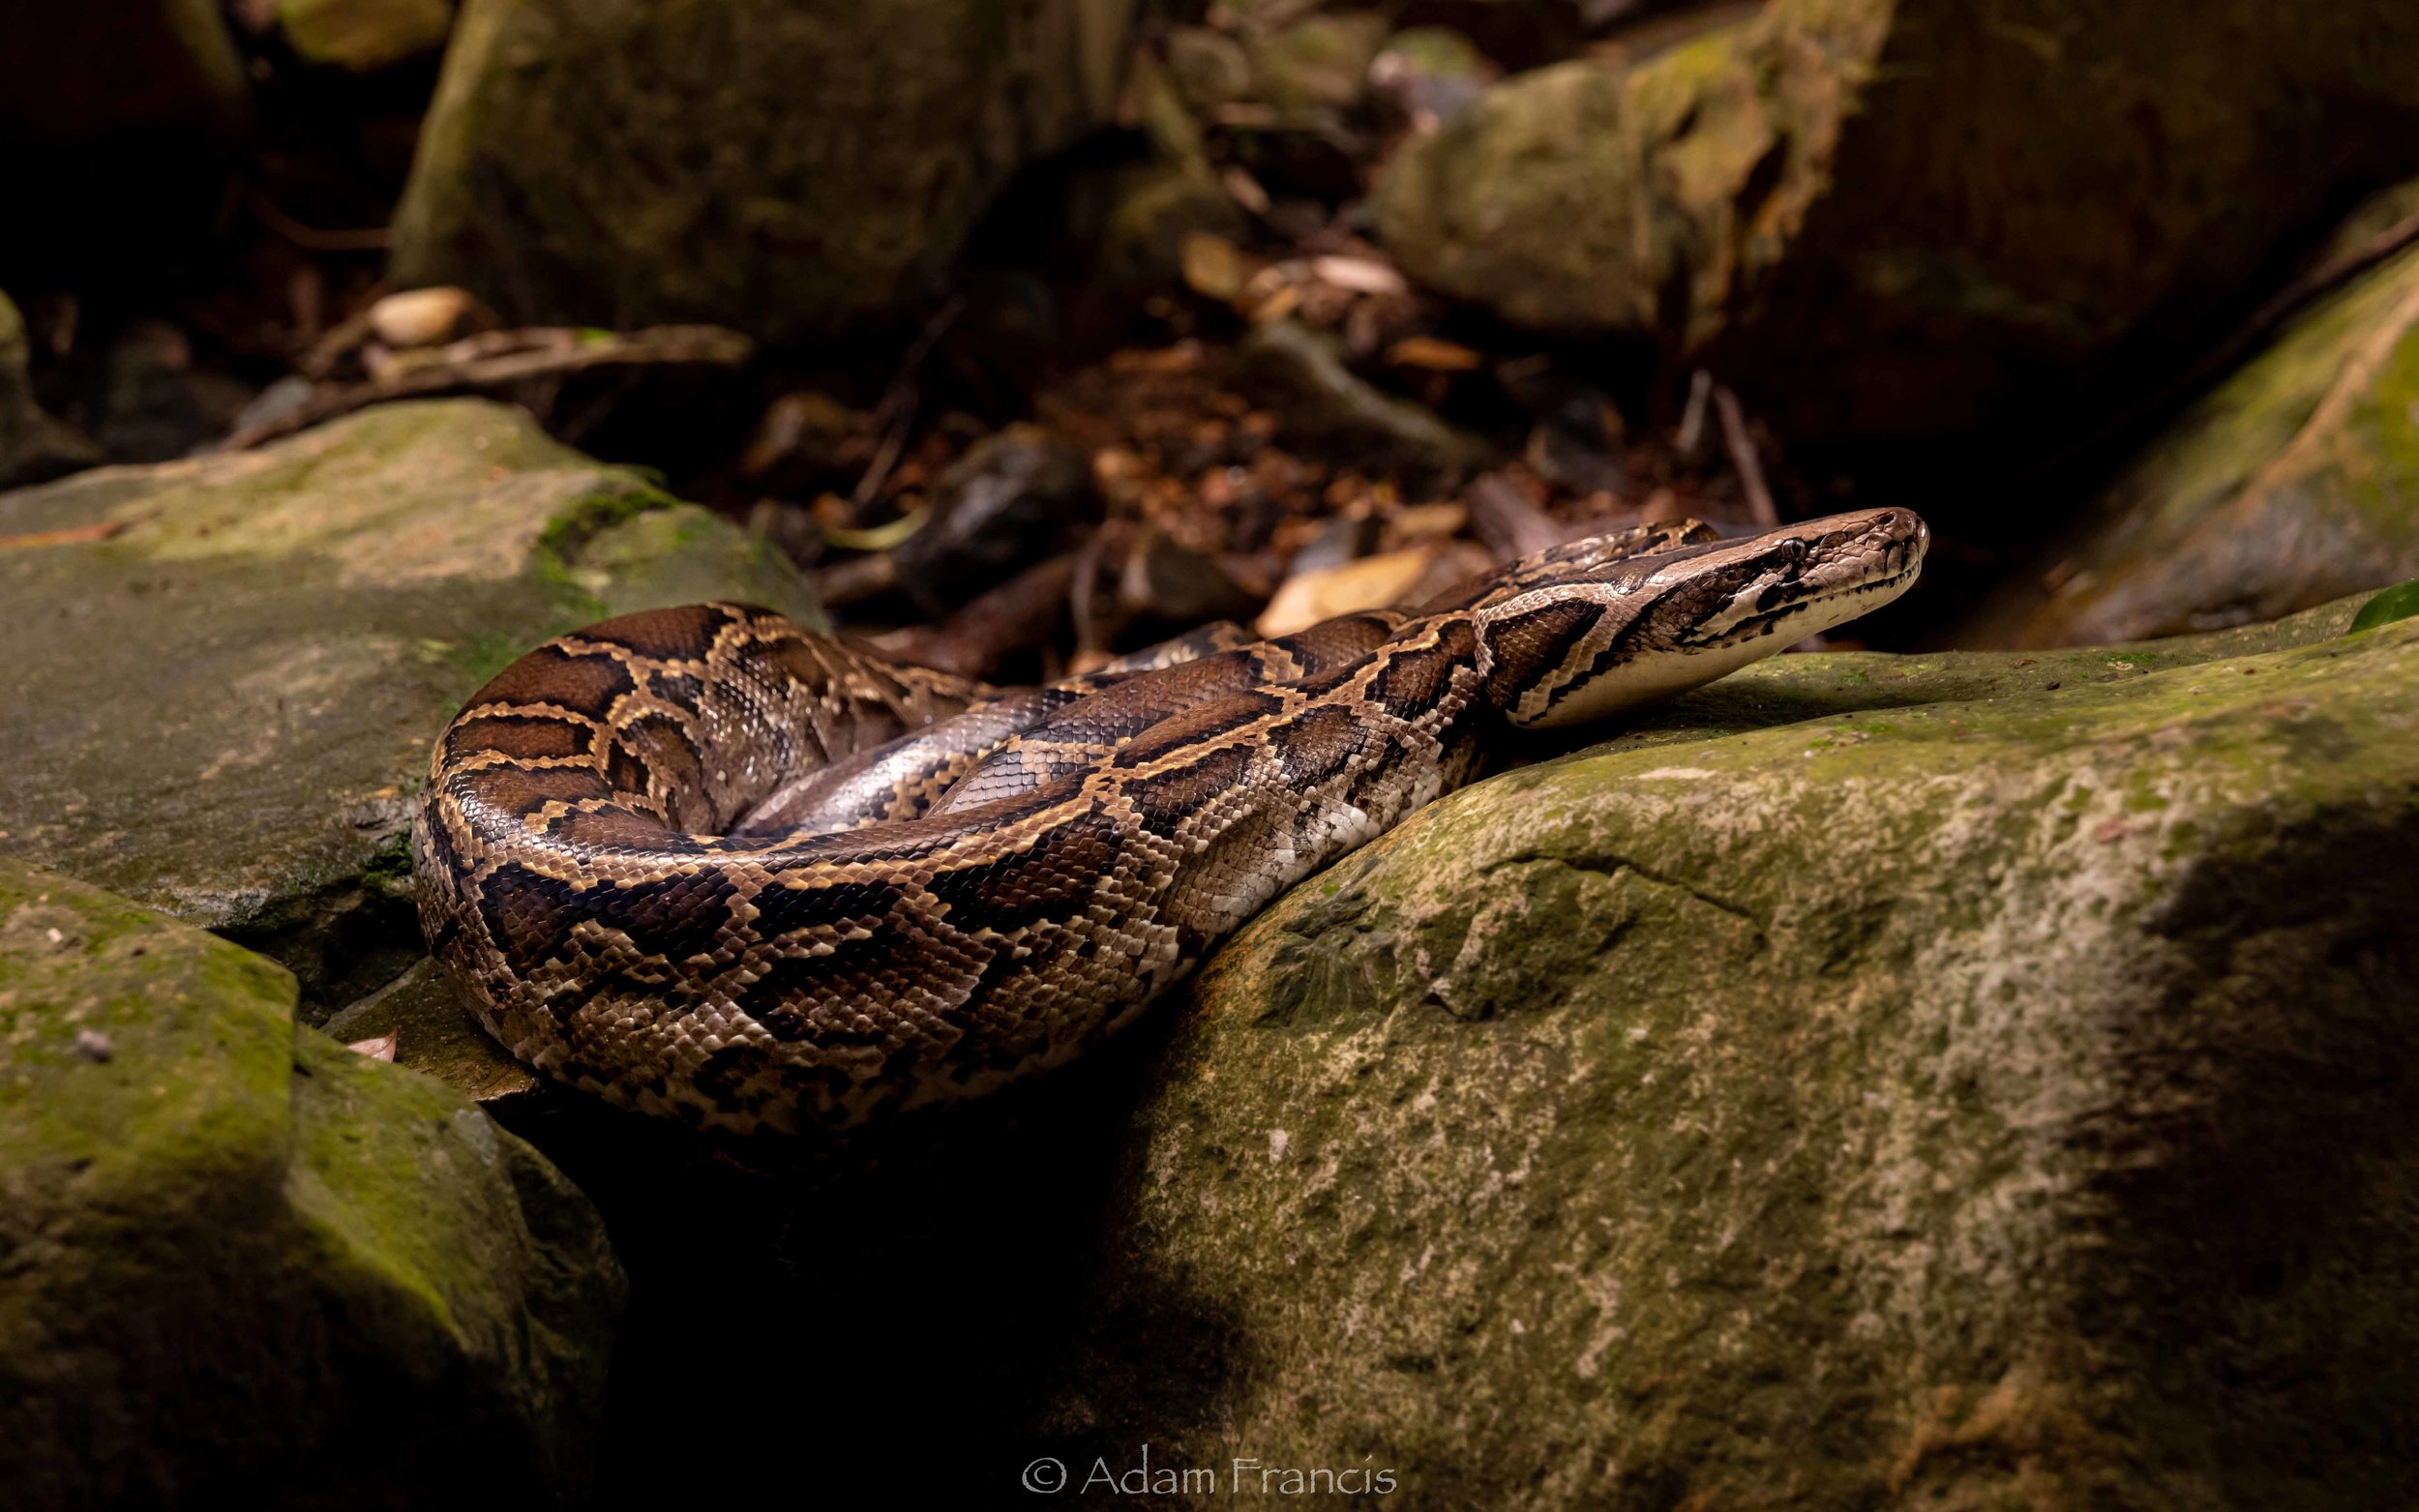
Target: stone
156,402
1209,67
1155,211
1316,65
431,1031
226,672
1015,496
1324,408
1957,221
785,170
2294,482
246,1265
364,36
1428,75
1965,1080
33,446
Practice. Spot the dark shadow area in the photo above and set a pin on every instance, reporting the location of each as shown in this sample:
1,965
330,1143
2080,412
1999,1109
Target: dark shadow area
863,1321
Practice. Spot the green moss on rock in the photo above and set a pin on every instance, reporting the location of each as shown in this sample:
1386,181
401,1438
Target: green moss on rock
2294,482
245,1263
1937,208
228,671
1969,1082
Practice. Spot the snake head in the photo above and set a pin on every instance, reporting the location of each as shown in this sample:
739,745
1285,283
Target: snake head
1590,640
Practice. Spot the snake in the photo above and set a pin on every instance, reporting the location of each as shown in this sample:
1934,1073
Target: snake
707,865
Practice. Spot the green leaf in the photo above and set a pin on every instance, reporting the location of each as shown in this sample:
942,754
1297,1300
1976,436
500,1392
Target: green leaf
2400,601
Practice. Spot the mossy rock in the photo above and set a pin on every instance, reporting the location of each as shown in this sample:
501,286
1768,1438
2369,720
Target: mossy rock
246,1265
2294,482
788,170
1904,218
1973,1081
226,673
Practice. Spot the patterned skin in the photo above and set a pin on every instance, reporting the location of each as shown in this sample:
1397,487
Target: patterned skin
711,866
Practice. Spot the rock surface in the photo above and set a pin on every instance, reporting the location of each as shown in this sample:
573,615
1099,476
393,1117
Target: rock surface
2294,482
226,672
246,1265
1974,1081
434,1033
780,170
1891,218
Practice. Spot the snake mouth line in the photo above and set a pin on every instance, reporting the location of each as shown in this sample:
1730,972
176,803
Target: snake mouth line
1855,599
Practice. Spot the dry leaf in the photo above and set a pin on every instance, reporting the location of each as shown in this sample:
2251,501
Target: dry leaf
1372,583
1360,274
1216,268
1433,354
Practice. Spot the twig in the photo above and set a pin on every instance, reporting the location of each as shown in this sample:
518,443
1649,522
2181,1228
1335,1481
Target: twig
1083,599
857,578
1015,617
895,414
312,238
1760,508
885,456
1506,523
1692,418
502,357
70,535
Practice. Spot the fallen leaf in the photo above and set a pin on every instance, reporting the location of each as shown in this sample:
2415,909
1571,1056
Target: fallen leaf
1372,583
1216,268
71,535
1432,353
1360,274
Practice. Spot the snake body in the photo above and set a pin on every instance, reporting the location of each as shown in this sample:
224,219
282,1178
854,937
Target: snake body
707,865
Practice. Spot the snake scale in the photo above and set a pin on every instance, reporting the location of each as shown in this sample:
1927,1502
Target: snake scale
705,864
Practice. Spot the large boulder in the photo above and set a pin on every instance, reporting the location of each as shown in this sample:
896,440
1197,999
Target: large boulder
783,169
225,675
1893,218
1974,1081
2294,482
248,1266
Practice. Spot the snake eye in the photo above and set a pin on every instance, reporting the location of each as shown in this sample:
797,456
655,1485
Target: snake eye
1794,548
